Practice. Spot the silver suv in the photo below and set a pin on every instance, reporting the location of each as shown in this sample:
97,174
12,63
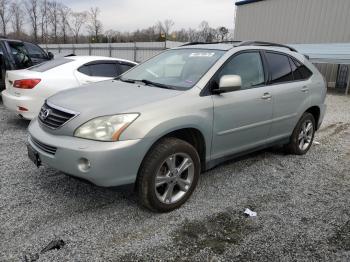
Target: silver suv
181,113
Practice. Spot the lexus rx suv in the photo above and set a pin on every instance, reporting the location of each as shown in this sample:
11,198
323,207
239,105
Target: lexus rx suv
178,114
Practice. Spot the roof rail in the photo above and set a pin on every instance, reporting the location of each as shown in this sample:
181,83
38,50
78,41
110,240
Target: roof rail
209,43
261,43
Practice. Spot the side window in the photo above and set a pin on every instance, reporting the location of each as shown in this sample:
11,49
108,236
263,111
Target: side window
248,66
99,69
35,51
279,68
84,70
296,73
124,67
303,71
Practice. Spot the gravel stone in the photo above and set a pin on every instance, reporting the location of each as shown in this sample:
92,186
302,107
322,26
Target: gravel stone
302,204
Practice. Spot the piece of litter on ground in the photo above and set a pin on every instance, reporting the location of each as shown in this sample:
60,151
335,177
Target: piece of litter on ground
250,213
316,143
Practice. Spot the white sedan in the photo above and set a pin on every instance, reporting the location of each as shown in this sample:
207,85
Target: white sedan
27,89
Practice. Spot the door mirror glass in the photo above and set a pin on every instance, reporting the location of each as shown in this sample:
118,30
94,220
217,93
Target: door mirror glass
229,83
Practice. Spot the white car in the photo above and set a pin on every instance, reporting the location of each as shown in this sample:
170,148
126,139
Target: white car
27,89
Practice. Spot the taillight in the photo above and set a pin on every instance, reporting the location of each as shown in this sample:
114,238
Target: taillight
26,83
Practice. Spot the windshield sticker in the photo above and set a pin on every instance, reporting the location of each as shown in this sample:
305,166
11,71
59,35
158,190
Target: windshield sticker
202,54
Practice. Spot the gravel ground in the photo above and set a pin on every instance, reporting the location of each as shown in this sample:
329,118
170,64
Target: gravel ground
302,204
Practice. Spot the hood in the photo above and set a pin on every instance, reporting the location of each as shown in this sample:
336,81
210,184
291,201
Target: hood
109,97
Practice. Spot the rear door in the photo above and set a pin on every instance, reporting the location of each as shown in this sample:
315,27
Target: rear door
242,118
289,92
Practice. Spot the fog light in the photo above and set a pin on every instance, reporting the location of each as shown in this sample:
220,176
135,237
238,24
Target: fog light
84,165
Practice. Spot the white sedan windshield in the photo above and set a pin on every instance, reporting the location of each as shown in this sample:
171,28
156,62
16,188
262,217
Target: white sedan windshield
180,69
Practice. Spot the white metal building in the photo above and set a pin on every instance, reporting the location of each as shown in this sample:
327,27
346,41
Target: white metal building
293,21
301,22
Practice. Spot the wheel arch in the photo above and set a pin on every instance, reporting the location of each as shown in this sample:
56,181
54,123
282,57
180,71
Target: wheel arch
316,112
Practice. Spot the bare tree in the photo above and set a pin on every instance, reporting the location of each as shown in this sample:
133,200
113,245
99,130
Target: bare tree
44,15
17,18
77,20
53,17
64,13
33,11
164,28
95,25
5,15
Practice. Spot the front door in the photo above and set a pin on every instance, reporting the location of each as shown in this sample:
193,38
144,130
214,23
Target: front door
242,118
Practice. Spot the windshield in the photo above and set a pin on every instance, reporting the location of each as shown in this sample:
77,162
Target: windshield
20,55
179,69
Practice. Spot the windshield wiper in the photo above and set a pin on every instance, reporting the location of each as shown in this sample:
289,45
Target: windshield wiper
125,80
148,82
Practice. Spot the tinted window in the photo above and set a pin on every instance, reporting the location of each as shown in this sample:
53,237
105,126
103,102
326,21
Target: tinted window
35,51
302,70
124,67
101,70
279,68
296,73
20,54
248,66
84,70
50,64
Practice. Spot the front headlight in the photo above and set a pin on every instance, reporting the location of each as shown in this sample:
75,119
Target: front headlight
105,128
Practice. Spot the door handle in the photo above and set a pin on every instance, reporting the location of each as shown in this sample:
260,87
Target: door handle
266,96
305,89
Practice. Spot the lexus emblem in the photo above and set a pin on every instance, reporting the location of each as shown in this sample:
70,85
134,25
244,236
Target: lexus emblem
45,113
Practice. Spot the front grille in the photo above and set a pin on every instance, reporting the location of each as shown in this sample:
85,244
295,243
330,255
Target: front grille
44,147
53,117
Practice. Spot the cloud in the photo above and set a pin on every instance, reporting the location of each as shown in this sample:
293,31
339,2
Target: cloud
125,15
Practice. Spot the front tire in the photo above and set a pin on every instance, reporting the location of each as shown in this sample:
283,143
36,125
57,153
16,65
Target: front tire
303,135
168,175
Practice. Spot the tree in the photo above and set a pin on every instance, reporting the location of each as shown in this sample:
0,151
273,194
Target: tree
95,25
165,27
44,10
54,18
5,15
77,19
32,8
223,31
17,18
64,13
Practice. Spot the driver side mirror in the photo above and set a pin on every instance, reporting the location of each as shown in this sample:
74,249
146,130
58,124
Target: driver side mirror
50,55
229,83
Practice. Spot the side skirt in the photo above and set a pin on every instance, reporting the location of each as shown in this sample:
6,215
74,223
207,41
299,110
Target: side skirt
213,163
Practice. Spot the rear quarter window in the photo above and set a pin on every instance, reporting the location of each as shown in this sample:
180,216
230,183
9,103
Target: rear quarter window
280,68
43,67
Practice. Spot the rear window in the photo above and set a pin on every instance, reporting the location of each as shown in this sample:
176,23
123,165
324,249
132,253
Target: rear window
50,64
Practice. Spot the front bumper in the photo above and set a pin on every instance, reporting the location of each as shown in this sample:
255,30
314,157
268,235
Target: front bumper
111,163
12,103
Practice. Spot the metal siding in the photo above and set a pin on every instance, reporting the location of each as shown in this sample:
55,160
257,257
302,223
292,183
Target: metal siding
297,21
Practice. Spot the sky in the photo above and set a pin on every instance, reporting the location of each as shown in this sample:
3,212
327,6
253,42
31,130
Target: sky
129,15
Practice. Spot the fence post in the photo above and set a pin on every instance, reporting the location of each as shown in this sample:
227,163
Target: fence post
348,84
59,49
135,52
90,49
110,50
73,48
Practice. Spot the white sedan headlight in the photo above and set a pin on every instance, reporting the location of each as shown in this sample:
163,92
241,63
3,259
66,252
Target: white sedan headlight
105,128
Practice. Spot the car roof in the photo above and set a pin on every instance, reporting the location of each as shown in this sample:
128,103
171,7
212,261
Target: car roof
96,58
228,45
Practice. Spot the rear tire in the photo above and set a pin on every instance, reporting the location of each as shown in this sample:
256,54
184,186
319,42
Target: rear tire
168,175
302,136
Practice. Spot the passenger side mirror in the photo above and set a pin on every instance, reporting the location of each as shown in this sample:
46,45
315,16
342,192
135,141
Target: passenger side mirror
50,55
229,83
